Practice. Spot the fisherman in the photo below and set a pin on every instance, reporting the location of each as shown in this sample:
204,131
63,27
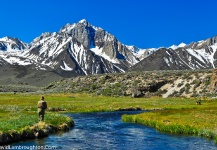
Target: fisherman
42,105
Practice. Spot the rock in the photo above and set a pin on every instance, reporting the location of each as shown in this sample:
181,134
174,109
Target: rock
136,93
15,136
27,135
41,133
4,138
63,127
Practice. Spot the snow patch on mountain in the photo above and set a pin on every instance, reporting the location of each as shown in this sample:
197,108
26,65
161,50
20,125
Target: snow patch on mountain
66,67
182,45
16,60
174,47
201,42
83,21
203,55
98,51
141,53
67,28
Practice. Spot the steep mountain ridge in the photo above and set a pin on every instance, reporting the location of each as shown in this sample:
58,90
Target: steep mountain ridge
196,55
81,49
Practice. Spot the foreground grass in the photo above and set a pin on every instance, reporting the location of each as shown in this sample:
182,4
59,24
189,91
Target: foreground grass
27,119
175,115
194,121
19,111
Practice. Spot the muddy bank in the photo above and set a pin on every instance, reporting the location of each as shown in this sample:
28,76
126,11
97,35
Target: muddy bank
39,130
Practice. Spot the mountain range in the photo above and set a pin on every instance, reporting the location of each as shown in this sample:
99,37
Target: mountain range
83,49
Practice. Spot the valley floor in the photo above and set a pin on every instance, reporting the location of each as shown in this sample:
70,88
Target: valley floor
175,115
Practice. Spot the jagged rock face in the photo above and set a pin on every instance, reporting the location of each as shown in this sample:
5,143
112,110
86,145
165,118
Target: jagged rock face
91,37
203,43
81,49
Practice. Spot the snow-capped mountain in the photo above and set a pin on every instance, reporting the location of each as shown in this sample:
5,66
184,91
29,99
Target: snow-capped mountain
83,49
196,55
174,47
77,49
10,49
11,44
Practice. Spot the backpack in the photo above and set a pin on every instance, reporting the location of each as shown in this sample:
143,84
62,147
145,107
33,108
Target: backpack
44,105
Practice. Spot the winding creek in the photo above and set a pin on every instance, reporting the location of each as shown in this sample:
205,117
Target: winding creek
105,130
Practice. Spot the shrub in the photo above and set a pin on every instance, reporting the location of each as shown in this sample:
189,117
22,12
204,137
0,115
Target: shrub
93,86
117,85
180,84
107,91
182,90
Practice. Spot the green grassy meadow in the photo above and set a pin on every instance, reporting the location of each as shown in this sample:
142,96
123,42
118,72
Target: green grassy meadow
174,115
200,120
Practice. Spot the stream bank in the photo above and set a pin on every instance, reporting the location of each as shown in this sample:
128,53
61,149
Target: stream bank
38,130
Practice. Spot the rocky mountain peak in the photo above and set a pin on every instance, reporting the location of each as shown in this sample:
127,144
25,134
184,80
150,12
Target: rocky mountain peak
203,43
10,44
41,37
83,21
81,49
98,40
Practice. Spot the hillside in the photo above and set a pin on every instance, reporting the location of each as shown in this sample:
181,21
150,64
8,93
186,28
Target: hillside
139,84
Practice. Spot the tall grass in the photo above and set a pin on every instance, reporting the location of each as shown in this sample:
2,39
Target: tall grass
19,121
200,121
20,111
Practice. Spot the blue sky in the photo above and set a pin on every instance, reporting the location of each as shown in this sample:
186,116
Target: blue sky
143,23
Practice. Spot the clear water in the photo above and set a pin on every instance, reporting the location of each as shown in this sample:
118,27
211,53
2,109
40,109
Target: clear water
105,130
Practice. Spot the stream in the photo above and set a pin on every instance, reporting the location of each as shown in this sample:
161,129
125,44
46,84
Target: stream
105,130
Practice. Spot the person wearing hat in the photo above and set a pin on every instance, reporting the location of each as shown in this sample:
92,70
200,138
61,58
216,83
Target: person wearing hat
42,105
